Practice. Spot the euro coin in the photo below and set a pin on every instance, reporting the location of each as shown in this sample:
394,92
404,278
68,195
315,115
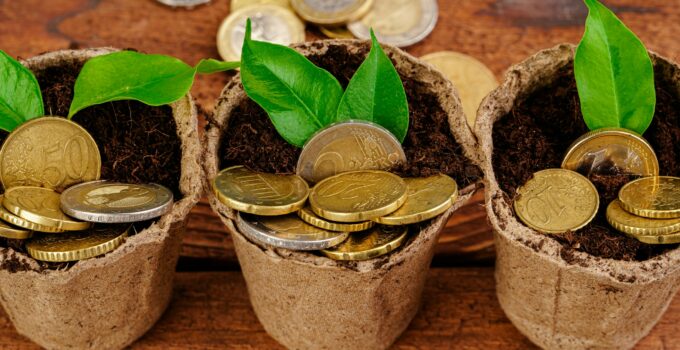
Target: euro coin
398,22
331,12
370,244
80,245
49,152
655,197
426,198
349,146
41,206
8,217
611,149
270,23
308,216
336,32
652,231
472,78
358,196
11,232
288,232
239,4
260,193
556,201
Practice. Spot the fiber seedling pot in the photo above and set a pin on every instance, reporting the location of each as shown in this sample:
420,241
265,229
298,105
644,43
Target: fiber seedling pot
110,301
558,295
305,300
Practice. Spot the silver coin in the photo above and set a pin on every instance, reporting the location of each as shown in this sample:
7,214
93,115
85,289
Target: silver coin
288,232
115,202
183,3
398,22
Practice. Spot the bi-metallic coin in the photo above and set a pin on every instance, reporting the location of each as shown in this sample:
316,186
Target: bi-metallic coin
308,216
80,245
398,22
288,232
331,12
655,197
6,216
370,244
427,198
41,206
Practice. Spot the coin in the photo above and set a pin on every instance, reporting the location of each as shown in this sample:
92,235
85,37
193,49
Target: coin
41,206
330,12
308,216
370,244
260,193
239,4
348,146
652,231
398,22
427,198
358,196
270,23
472,78
49,152
11,232
656,197
79,245
183,3
288,232
6,216
608,150
336,32
556,201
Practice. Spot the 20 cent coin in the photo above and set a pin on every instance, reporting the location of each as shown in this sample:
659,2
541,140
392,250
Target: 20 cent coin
41,206
308,216
653,231
427,197
12,232
6,216
370,244
652,197
288,232
74,246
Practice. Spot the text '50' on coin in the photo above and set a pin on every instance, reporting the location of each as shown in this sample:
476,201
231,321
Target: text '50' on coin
41,206
426,198
308,216
331,12
80,245
602,150
115,202
398,22
49,152
288,232
370,244
6,216
349,146
556,201
651,231
652,197
260,193
358,196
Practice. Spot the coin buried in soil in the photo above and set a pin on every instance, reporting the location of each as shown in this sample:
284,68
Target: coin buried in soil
556,201
331,12
656,197
288,232
370,244
608,150
348,146
49,152
115,202
652,231
358,196
6,216
427,198
398,22
308,216
260,193
41,206
80,245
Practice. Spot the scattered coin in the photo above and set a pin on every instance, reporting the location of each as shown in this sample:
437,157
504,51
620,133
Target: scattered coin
239,4
348,146
260,193
8,217
370,244
331,12
427,198
336,32
80,245
288,232
473,79
556,201
605,150
652,231
398,22
49,152
308,216
10,232
358,196
41,206
183,3
270,23
656,197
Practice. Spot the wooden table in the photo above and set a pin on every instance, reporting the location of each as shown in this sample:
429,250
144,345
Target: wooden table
460,308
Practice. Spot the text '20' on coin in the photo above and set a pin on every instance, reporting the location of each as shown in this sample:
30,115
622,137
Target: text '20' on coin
8,217
288,232
260,193
308,216
650,231
398,22
115,202
652,197
331,12
41,206
370,244
426,198
556,201
349,146
80,245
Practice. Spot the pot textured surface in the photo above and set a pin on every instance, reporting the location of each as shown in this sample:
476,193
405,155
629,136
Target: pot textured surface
590,302
110,301
306,301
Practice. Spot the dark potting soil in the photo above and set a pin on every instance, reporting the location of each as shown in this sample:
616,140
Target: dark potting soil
252,140
535,135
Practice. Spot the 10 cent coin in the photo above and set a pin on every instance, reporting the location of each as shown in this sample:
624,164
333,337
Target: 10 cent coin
370,244
288,232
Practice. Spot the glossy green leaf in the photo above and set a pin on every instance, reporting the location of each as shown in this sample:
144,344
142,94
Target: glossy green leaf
299,97
209,66
614,74
20,97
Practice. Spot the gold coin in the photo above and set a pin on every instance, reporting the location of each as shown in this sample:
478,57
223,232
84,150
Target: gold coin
11,232
6,216
370,244
260,193
653,231
603,150
41,206
427,198
472,78
239,4
656,197
270,23
336,32
288,232
80,245
49,152
556,201
349,146
358,196
331,12
308,216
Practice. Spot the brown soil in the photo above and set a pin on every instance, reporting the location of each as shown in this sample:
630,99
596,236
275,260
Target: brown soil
535,135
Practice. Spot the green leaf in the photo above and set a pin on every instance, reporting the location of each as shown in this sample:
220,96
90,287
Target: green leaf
614,74
20,97
299,97
209,66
